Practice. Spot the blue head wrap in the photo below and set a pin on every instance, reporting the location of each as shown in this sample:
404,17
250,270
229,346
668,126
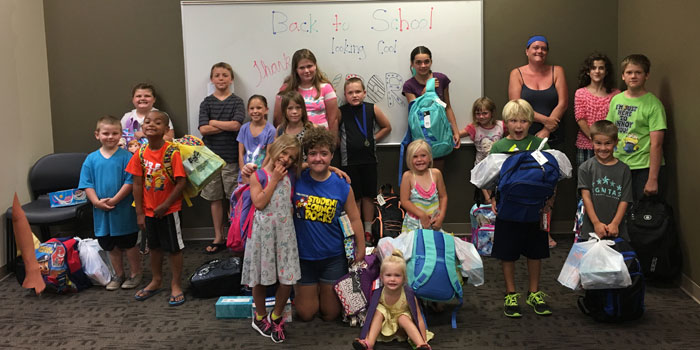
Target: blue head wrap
537,38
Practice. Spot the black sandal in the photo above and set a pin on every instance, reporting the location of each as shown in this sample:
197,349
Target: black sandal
215,248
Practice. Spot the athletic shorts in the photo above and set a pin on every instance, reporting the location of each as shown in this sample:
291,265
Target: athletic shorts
326,271
122,242
223,184
363,179
164,233
512,239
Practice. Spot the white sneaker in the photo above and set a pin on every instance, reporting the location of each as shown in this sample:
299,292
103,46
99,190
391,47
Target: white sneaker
115,283
132,282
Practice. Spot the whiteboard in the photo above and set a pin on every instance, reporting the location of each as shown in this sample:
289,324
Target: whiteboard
370,39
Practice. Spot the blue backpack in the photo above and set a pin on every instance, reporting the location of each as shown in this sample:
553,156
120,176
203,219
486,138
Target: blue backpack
437,131
432,268
427,120
524,186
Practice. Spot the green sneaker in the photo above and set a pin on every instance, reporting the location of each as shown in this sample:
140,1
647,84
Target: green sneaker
511,307
536,300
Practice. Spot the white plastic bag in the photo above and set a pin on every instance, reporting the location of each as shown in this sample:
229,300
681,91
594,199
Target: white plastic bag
404,243
94,266
602,267
569,276
485,174
471,265
385,247
564,163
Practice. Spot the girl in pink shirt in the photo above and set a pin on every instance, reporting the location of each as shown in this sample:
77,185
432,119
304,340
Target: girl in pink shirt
592,100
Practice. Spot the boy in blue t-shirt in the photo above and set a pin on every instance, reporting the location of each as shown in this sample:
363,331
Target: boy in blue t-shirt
109,188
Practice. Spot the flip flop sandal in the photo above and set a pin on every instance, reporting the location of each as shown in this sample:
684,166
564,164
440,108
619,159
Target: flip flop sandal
173,301
214,248
144,294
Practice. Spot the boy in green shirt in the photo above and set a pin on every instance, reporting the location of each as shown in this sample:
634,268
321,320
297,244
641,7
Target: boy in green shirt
641,120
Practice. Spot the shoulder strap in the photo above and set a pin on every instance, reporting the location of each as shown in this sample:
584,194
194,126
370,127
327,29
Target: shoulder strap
521,75
430,255
374,301
430,85
552,74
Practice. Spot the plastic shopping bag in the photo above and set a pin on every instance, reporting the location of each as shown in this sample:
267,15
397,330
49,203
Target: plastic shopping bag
385,247
485,174
602,267
471,264
563,161
94,266
569,276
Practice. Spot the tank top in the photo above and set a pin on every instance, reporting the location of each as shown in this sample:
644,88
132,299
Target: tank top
426,200
543,102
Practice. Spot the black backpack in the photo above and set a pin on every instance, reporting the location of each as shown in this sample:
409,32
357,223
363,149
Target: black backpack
650,226
617,305
218,277
388,218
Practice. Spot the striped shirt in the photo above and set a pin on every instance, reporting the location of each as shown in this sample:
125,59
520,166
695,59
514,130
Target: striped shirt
224,143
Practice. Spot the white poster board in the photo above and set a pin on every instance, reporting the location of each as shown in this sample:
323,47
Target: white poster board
370,39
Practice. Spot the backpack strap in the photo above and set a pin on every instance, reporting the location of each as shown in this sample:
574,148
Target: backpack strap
372,308
430,257
404,144
430,85
451,266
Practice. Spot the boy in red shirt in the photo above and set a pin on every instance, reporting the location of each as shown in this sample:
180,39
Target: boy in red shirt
159,179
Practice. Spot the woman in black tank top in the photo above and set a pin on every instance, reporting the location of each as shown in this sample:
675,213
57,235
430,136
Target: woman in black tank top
544,87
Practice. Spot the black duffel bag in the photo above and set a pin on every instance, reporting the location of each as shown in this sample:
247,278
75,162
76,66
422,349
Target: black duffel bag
218,277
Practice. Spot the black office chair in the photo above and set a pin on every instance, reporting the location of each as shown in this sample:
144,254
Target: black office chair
53,172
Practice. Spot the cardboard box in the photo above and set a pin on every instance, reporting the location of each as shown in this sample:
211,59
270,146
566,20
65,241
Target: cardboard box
234,307
270,304
67,198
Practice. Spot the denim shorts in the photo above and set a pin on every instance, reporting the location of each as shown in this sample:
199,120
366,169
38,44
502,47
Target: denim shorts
326,270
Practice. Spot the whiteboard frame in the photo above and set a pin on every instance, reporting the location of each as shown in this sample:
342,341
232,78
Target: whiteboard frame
184,3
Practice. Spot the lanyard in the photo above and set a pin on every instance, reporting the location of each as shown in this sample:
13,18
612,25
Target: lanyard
363,127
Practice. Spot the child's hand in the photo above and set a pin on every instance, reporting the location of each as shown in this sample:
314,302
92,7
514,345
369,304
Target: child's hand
493,205
343,175
278,173
139,134
159,211
111,202
601,230
359,256
141,221
425,220
613,229
436,221
104,204
248,169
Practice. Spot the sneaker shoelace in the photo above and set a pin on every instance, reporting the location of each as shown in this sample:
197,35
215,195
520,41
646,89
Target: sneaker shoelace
512,299
279,328
538,297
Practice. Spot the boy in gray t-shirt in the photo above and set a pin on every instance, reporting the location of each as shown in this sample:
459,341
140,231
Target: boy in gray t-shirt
605,184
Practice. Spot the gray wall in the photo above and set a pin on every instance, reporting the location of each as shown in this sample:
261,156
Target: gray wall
97,50
674,53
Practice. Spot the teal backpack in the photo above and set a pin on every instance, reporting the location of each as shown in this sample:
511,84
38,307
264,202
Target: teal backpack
427,120
432,268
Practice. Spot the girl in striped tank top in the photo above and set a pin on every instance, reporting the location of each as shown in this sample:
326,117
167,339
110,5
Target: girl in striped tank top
423,193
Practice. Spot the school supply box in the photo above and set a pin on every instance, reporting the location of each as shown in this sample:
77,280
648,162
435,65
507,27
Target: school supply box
67,198
234,307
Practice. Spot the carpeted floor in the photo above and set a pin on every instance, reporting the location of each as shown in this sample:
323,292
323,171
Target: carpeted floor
97,319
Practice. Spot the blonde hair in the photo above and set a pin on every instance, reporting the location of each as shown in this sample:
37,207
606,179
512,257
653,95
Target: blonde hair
282,143
518,108
414,147
396,258
107,120
483,104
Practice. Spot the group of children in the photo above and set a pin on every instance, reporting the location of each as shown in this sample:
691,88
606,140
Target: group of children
296,237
